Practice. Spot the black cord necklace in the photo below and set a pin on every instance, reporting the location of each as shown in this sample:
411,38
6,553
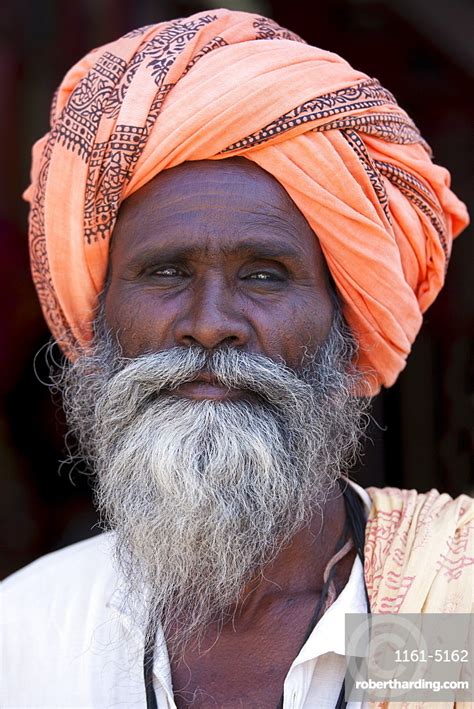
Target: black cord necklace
355,528
356,517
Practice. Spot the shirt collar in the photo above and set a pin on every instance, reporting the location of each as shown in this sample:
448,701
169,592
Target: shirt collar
329,633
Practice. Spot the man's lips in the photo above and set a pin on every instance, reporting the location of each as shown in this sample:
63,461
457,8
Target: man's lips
206,386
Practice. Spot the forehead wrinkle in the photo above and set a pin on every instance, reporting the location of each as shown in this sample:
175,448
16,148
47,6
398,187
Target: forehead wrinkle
182,204
172,217
173,187
279,219
178,221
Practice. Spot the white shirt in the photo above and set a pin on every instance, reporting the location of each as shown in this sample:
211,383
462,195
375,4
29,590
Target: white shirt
67,642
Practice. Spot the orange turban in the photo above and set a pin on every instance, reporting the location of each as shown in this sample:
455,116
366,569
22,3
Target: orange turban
224,83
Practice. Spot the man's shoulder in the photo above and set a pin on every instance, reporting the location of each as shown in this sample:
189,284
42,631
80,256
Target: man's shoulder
62,630
70,575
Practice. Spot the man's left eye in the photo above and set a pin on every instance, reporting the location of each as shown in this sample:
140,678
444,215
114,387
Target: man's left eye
263,276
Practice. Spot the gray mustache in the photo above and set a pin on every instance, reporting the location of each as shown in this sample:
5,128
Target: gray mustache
230,368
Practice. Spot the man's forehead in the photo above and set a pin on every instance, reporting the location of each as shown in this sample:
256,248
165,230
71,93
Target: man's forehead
211,179
220,200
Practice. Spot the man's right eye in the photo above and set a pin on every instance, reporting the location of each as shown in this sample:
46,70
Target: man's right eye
168,272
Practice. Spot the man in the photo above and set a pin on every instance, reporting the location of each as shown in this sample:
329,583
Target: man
209,213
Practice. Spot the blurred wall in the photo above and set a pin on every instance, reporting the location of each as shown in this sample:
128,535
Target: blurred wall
422,52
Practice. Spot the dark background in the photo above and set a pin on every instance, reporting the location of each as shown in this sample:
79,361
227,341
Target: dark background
422,50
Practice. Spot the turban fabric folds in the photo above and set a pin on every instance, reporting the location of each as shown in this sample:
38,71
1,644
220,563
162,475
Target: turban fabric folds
223,83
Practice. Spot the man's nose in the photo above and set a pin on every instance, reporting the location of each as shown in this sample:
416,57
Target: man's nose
212,319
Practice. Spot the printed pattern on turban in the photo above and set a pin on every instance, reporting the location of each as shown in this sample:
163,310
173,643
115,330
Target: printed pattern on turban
223,83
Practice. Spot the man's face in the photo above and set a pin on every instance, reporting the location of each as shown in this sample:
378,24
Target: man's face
210,452
215,253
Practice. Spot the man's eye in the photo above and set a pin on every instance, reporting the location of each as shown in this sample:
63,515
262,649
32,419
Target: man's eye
263,276
168,272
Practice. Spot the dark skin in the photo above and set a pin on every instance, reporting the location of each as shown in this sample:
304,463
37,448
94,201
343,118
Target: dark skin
215,253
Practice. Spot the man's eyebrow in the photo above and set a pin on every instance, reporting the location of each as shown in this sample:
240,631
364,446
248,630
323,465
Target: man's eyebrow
269,249
251,248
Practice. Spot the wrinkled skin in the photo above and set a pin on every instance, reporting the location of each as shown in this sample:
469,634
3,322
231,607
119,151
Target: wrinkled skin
215,253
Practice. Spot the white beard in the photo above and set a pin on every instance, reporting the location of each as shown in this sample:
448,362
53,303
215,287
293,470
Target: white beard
203,494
